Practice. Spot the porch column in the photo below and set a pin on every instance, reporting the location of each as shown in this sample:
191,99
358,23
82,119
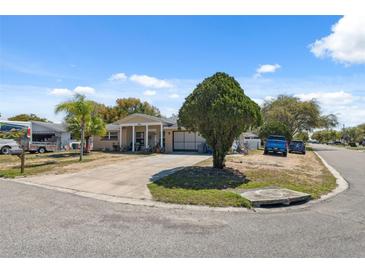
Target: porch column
161,136
120,136
133,137
146,137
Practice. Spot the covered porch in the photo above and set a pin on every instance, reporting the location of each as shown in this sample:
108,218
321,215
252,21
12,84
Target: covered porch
140,136
136,132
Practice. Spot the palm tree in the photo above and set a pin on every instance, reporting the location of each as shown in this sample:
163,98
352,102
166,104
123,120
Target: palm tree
79,111
95,126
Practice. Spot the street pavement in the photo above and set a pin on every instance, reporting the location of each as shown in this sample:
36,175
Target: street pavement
38,222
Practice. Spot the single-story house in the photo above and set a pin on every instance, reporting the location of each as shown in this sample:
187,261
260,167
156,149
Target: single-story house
139,131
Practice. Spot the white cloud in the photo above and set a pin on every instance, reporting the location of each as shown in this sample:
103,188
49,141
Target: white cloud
84,90
174,96
150,82
61,92
149,92
120,76
328,98
267,68
68,92
346,43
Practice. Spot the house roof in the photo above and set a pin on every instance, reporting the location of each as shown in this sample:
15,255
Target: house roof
143,118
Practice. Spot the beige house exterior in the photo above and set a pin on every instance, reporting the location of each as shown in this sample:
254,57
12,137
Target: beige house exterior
137,132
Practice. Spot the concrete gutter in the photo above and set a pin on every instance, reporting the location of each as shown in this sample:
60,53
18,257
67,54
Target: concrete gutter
342,185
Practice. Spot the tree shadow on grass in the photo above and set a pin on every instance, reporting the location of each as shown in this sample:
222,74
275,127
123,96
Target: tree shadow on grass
196,177
63,155
32,165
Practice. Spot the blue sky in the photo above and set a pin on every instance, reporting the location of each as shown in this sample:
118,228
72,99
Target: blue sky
46,59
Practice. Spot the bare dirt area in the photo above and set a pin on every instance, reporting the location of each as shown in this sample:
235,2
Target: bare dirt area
305,173
297,163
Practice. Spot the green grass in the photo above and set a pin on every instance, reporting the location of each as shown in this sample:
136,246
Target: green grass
207,197
264,178
200,186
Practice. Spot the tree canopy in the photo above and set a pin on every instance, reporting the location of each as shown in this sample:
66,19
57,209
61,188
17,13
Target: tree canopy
296,116
27,118
125,107
220,111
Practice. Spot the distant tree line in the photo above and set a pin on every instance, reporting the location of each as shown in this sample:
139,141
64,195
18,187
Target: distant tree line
347,135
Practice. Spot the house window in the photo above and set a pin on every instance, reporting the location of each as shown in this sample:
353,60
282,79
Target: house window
111,135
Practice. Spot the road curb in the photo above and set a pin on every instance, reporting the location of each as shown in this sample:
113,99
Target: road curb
342,185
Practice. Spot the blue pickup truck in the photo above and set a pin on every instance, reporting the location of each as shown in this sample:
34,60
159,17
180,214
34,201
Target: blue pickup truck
276,144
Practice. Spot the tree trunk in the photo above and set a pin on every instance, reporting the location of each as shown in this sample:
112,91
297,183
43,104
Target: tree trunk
87,146
218,159
82,142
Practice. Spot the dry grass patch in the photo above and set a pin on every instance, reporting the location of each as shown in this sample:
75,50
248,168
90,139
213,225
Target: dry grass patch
57,162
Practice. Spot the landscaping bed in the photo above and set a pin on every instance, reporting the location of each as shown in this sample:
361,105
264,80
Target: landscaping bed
56,162
204,185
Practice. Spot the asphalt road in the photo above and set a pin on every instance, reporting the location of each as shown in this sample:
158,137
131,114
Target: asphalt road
36,222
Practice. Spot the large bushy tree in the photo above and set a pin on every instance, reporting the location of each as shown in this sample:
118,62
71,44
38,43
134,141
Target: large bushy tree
125,107
220,111
296,115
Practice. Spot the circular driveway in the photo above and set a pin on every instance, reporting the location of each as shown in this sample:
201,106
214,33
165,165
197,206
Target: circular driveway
37,222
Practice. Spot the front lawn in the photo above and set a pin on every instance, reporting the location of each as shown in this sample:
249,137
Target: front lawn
200,186
204,185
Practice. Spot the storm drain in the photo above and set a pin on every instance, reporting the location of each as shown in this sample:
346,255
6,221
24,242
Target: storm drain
274,196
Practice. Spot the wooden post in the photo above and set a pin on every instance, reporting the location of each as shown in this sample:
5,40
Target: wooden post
22,162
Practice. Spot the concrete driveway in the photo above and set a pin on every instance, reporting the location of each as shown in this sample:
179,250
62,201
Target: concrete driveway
126,179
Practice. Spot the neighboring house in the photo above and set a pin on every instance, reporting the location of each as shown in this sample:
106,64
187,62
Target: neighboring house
249,140
41,132
138,131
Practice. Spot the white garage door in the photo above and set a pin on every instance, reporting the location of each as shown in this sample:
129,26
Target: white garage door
187,141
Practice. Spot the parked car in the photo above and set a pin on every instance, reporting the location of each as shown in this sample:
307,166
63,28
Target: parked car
276,144
6,145
297,146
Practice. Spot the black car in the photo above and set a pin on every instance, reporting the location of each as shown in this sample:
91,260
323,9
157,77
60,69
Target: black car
297,147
